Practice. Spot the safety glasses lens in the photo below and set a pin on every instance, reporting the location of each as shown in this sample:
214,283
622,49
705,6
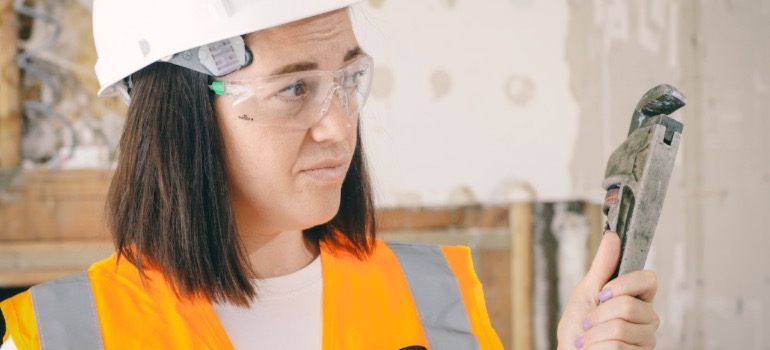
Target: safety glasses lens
299,100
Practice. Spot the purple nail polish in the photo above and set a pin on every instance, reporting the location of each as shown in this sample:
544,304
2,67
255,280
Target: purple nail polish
579,342
587,324
605,295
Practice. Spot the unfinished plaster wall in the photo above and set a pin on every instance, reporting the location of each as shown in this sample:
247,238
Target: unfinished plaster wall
732,171
469,100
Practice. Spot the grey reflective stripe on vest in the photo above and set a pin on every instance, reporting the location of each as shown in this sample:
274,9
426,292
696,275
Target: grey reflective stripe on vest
437,294
66,314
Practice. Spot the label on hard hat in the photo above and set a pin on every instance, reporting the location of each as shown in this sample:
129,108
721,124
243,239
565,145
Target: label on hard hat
216,59
223,57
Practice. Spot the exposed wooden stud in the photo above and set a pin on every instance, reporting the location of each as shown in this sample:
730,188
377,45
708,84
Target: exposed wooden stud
521,276
10,115
494,271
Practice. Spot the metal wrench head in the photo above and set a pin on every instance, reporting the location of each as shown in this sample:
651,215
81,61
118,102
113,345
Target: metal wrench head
662,99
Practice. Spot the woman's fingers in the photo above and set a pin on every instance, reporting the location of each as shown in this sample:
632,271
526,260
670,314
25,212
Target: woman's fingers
626,308
641,284
605,262
617,330
615,315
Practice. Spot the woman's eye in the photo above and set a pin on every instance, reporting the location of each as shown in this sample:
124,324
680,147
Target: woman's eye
354,77
295,90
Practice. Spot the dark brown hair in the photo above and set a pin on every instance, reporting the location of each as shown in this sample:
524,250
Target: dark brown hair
168,206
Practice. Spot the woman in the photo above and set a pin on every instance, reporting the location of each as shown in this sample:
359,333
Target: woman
241,209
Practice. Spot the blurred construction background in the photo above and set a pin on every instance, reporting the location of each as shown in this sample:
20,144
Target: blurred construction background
490,125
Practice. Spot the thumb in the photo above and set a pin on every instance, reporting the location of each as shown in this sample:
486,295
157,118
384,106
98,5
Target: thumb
606,260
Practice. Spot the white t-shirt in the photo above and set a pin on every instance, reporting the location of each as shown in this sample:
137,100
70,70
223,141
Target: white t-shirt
9,345
286,315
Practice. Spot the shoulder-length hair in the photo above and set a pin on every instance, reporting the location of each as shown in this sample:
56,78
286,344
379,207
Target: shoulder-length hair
168,206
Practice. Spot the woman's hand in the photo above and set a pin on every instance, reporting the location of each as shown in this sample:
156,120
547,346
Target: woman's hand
610,315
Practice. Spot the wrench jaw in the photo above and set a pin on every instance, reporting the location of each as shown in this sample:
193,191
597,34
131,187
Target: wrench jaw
662,99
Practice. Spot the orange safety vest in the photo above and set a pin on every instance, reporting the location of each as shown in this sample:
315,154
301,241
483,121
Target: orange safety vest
403,295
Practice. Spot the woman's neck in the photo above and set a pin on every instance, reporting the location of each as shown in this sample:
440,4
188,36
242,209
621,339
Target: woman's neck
278,254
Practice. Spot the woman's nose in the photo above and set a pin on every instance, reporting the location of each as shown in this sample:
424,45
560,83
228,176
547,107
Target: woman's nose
334,93
335,124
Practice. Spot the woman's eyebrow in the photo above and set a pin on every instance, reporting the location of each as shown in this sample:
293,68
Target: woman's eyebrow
353,53
295,67
306,66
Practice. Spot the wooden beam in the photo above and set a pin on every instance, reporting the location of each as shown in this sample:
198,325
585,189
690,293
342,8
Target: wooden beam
10,115
19,279
521,276
485,239
61,205
494,271
69,205
24,264
422,218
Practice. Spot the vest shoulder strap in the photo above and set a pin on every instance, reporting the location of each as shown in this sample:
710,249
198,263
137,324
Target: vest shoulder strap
437,294
66,314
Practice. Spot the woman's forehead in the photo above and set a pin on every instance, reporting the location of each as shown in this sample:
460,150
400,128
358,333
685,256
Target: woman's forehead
321,38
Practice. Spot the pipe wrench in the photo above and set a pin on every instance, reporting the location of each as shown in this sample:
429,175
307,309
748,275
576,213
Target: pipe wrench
638,172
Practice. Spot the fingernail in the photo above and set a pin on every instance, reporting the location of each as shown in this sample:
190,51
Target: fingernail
605,295
579,342
587,324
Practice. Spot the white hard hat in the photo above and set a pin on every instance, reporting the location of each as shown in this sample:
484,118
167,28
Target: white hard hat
132,34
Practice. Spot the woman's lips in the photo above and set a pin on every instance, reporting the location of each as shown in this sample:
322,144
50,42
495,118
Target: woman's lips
327,174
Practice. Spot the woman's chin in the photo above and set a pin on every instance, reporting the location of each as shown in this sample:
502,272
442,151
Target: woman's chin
324,217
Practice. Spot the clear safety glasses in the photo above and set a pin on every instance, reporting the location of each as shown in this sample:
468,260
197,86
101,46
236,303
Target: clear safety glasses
299,100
